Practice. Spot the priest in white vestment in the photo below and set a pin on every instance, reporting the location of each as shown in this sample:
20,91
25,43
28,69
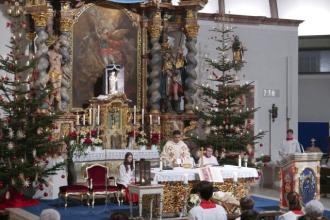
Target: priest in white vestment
208,159
176,152
290,145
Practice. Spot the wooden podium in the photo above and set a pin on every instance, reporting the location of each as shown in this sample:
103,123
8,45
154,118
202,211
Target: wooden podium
300,173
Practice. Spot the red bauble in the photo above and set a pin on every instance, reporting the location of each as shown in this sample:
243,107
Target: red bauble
63,176
261,145
1,184
45,194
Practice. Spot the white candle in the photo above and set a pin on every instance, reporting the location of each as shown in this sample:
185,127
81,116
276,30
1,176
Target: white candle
143,116
150,116
77,122
239,160
84,119
98,115
90,116
161,164
158,120
235,177
185,178
134,115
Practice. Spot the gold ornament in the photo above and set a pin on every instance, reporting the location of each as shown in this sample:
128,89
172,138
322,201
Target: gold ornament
65,24
155,28
40,20
51,40
191,30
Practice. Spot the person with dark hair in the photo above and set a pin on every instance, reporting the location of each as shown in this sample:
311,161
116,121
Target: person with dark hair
175,151
290,145
247,211
295,211
207,210
126,175
208,158
119,216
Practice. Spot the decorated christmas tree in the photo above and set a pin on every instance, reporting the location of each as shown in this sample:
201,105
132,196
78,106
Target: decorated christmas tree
227,117
26,123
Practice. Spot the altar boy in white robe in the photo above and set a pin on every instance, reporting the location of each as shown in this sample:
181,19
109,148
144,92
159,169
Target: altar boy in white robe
208,159
290,145
207,209
175,151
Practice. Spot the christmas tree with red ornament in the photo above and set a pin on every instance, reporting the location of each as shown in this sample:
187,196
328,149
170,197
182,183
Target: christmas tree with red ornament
228,119
26,125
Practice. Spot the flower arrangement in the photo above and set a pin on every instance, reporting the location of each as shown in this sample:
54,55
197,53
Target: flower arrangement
193,200
155,138
141,139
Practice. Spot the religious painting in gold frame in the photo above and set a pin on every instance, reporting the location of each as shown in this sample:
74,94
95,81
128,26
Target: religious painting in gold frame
102,34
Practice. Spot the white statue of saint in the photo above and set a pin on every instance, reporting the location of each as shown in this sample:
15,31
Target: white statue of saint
113,83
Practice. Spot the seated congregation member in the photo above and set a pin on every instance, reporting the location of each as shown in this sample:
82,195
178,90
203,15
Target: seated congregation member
207,210
247,211
313,211
175,151
295,211
126,176
208,158
50,214
119,216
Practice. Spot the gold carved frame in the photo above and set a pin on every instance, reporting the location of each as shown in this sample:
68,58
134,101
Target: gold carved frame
141,69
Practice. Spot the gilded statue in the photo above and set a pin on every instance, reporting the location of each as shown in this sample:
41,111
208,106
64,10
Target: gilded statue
238,50
173,70
55,72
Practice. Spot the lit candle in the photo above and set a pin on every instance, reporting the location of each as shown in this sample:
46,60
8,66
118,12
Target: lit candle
84,119
150,116
143,116
90,116
134,115
158,120
77,122
98,115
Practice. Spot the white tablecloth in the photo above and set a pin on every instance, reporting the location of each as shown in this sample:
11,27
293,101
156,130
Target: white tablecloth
101,154
181,174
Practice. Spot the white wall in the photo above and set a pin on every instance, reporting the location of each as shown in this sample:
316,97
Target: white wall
314,99
4,33
268,48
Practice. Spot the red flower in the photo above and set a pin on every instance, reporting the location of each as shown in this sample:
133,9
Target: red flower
88,141
72,135
63,176
93,133
9,24
261,145
155,138
45,194
50,138
131,134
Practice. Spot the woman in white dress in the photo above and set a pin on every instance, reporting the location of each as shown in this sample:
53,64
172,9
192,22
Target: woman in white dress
126,176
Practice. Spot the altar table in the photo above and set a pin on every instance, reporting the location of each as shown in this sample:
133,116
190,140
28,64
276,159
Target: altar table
179,182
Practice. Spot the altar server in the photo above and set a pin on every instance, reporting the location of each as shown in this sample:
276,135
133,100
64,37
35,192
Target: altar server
175,151
208,159
207,210
290,145
126,176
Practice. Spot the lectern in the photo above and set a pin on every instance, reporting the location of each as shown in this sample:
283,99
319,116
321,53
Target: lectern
300,173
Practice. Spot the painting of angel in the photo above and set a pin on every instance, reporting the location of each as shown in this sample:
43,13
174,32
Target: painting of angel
103,35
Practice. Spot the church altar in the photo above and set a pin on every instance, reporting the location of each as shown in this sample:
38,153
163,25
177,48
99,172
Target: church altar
179,182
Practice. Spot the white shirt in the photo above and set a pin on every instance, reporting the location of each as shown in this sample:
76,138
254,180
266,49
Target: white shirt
124,178
289,147
289,216
198,213
209,161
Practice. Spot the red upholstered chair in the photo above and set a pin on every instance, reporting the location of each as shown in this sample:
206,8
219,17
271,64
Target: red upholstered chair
80,190
100,183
